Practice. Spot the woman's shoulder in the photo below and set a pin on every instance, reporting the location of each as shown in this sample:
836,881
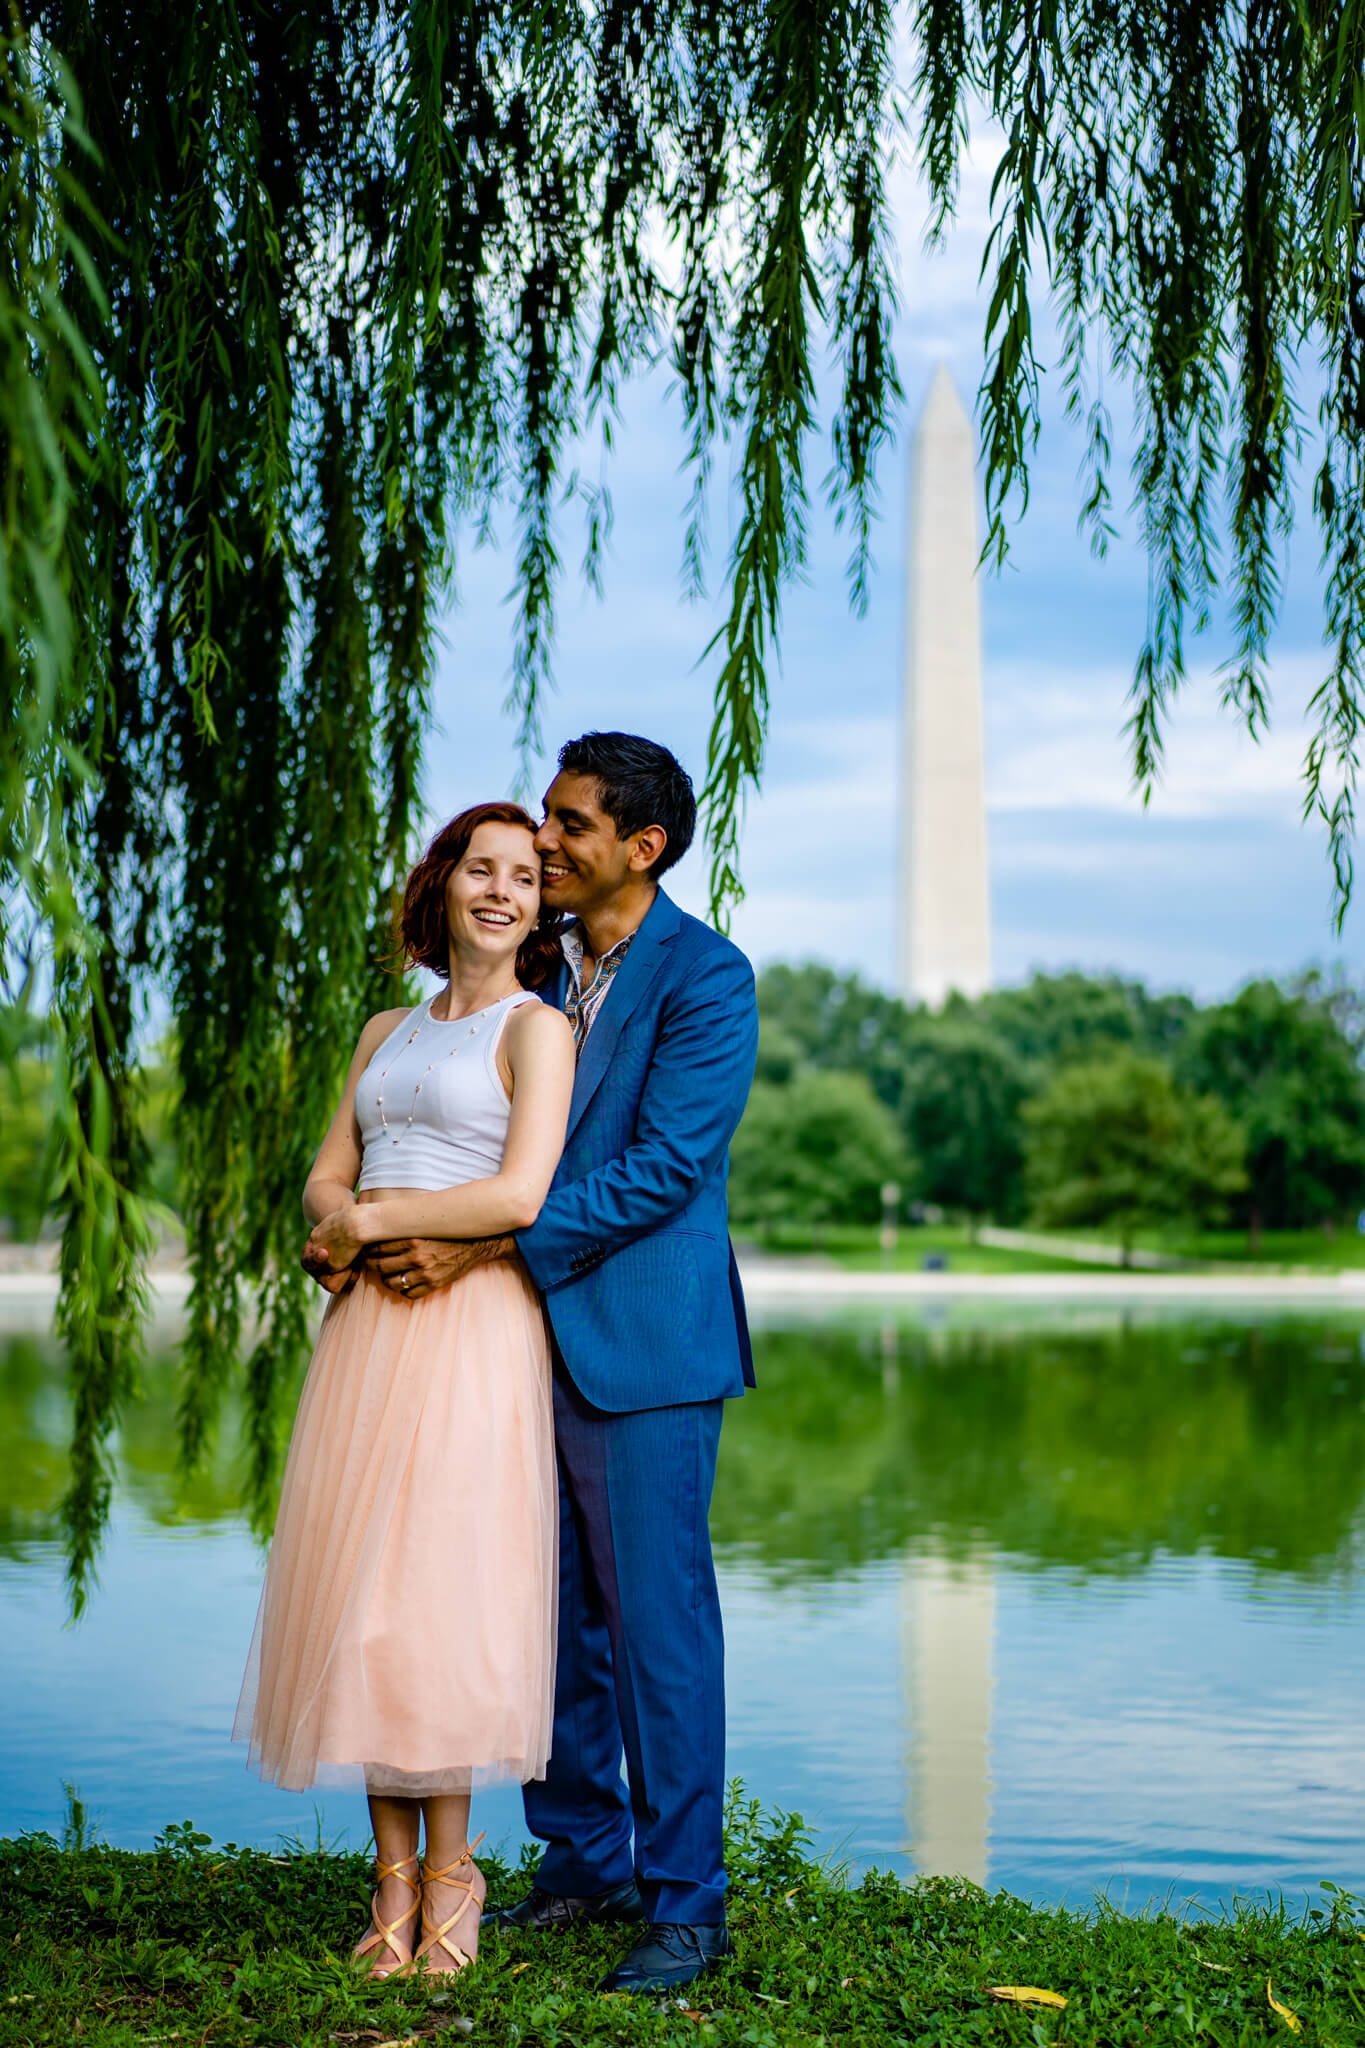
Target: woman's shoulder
538,1024
382,1025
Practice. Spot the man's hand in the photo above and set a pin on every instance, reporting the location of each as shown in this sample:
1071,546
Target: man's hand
414,1266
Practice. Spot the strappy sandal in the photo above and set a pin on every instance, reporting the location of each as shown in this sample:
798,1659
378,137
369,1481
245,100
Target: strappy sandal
436,1937
380,1935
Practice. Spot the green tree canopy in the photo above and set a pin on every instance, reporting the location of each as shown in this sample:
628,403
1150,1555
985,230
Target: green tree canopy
1118,1144
25,1139
964,1089
836,1020
289,294
957,1080
1056,1019
814,1151
1285,1061
1284,1068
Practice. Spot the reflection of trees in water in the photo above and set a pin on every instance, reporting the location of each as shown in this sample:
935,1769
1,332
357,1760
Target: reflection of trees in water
1090,1448
1081,1447
35,1423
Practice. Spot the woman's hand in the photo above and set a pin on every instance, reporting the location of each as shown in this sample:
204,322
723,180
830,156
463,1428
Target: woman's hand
339,1238
318,1266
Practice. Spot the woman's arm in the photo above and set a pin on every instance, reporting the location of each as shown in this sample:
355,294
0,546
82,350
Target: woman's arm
540,1053
331,1184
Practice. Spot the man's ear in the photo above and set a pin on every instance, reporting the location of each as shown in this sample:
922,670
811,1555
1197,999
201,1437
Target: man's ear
649,844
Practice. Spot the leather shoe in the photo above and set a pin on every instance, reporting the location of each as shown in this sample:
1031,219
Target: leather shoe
540,1911
669,1954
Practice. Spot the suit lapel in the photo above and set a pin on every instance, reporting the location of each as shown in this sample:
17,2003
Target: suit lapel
555,991
632,979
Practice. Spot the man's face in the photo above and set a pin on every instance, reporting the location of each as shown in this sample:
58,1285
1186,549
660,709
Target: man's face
583,862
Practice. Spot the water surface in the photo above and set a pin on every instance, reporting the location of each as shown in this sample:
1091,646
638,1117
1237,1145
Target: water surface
1068,1603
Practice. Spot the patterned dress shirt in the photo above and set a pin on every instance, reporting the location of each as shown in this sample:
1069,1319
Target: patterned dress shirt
583,1004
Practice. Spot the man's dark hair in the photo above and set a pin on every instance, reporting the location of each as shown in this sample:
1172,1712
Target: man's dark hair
639,783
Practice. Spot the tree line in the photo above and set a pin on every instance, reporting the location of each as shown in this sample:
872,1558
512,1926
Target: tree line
1071,1101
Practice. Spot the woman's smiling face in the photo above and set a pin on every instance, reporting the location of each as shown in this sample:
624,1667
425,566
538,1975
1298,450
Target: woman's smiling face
492,895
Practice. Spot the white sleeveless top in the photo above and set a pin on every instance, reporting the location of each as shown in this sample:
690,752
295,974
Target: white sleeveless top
431,1104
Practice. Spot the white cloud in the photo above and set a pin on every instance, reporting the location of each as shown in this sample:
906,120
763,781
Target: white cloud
1056,743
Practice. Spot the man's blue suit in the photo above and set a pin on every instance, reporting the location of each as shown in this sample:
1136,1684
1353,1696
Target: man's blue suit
632,1253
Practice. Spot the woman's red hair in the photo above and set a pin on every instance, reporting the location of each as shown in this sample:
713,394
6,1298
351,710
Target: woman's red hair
423,930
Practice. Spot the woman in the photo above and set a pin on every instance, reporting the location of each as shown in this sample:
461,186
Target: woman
407,1621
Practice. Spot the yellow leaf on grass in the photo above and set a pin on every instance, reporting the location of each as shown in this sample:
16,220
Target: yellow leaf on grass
1027,1994
1291,2019
517,1969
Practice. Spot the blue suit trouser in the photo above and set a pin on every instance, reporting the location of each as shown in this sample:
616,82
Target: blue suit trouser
640,1665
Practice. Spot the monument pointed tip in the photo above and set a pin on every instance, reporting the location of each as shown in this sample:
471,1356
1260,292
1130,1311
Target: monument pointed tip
944,401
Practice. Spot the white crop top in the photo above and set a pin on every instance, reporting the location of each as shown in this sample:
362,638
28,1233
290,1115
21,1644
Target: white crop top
431,1104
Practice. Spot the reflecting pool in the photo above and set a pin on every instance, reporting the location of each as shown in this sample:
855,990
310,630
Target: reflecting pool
1065,1602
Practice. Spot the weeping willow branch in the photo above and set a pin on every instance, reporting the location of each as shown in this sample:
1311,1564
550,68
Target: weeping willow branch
290,299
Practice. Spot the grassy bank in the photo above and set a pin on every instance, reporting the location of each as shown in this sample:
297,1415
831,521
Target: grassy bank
857,1248
192,1944
1327,1251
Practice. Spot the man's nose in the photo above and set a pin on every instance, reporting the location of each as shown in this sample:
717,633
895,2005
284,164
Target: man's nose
545,840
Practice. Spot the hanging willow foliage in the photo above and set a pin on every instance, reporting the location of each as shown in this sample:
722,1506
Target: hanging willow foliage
286,295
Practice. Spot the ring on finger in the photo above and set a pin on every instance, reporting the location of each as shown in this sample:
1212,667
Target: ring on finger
403,1279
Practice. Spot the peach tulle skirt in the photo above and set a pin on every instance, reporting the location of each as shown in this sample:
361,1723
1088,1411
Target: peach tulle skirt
408,1617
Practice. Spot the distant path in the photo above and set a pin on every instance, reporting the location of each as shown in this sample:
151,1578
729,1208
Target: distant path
1084,1251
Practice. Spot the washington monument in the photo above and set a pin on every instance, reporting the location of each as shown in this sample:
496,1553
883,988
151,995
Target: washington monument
944,912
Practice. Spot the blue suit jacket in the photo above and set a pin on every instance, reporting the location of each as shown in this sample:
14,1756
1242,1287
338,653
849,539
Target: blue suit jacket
631,1248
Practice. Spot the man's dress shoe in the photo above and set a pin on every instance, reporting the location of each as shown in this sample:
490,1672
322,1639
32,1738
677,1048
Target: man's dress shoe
540,1911
668,1955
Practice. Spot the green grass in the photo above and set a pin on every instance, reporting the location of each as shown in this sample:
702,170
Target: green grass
1335,1251
193,1944
856,1248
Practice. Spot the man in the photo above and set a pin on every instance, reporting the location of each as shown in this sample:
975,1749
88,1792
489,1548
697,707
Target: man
632,1254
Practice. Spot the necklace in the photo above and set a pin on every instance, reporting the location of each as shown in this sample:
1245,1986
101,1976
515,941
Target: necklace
475,1026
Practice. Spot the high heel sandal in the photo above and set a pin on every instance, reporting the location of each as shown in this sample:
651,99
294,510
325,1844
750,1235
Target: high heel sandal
435,1937
380,1935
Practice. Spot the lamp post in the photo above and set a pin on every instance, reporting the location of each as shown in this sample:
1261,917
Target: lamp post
891,1197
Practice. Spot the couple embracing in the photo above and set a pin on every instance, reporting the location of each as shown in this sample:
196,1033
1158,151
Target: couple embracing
492,1557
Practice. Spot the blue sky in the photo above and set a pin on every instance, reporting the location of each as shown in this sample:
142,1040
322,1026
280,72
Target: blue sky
1217,881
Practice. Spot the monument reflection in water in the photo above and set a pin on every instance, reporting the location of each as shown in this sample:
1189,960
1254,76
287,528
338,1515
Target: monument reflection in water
1065,1477
1061,1605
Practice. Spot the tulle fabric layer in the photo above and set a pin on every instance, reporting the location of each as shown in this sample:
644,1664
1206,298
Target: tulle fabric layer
407,1624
